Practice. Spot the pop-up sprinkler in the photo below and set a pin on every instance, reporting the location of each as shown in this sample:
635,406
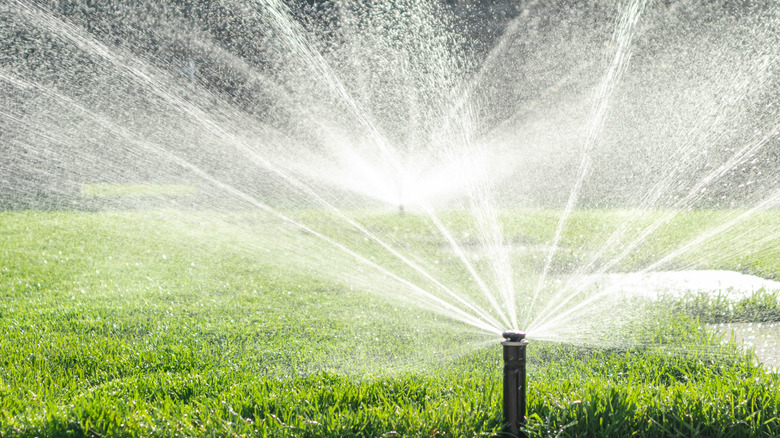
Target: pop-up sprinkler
514,380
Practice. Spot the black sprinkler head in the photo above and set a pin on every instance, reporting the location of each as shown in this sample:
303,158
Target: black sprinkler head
513,335
514,382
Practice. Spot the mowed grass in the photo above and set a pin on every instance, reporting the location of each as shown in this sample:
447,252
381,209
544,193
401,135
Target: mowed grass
155,323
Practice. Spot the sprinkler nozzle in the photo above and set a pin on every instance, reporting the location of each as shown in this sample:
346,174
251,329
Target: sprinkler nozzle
513,335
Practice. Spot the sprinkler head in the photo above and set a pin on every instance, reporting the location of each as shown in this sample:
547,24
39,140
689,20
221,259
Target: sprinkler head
514,382
513,335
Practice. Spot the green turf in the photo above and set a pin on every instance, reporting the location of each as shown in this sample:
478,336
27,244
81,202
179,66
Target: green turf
761,306
164,323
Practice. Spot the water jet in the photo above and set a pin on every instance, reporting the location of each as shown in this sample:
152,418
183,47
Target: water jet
277,117
514,380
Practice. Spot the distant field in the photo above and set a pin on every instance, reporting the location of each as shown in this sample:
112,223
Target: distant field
175,323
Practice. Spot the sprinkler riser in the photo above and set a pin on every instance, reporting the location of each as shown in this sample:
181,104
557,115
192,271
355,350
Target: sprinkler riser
514,384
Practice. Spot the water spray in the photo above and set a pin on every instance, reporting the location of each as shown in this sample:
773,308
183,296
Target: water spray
514,380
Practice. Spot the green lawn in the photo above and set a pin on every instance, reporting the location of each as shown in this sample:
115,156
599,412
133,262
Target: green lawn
185,323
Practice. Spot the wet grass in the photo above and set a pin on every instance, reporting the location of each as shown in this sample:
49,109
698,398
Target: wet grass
118,324
761,306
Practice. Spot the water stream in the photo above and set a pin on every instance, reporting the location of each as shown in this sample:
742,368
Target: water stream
529,161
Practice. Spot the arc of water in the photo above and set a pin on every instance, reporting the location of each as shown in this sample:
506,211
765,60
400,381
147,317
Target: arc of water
493,240
461,315
484,221
300,186
319,65
489,225
295,37
198,115
622,36
462,256
771,201
739,84
741,154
